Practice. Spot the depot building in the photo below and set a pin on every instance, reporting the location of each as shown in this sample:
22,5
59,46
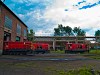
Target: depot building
11,27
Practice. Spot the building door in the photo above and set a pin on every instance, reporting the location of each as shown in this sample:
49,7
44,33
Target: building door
7,36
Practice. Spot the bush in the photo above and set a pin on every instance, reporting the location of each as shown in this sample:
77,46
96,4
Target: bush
81,71
94,52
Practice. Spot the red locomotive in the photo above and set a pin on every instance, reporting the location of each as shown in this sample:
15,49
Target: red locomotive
17,48
76,47
24,48
41,48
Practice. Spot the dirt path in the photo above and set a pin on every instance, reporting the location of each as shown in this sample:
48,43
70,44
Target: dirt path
30,67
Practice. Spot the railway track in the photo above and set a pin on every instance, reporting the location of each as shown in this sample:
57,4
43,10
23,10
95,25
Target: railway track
46,57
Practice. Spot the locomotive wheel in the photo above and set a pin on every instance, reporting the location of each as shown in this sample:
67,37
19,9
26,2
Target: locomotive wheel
12,53
43,52
29,52
48,51
4,53
66,51
36,52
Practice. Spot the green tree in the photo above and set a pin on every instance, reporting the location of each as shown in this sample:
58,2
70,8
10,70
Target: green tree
57,32
62,31
79,32
76,30
31,34
97,33
68,30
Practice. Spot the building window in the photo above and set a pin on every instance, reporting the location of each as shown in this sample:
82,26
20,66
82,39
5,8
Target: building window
8,22
25,33
7,36
17,38
18,29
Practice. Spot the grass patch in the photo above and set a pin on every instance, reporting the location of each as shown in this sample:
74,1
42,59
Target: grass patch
22,65
4,64
50,68
94,56
94,52
18,65
58,52
62,52
81,71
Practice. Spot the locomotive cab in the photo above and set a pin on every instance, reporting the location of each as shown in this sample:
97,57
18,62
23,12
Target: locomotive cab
76,48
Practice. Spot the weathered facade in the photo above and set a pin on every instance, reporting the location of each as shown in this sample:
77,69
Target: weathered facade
11,27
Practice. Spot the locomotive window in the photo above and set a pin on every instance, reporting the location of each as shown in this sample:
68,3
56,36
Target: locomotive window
86,46
69,46
39,47
80,46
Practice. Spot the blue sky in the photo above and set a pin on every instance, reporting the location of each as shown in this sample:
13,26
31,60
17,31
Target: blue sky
44,15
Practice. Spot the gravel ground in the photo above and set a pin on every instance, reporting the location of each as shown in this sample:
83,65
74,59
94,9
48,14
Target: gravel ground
30,67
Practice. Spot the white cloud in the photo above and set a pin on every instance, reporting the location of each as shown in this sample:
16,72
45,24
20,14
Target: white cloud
91,1
86,18
43,33
21,15
30,1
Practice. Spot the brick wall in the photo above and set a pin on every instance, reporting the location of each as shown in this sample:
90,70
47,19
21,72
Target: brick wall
1,31
15,21
4,12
